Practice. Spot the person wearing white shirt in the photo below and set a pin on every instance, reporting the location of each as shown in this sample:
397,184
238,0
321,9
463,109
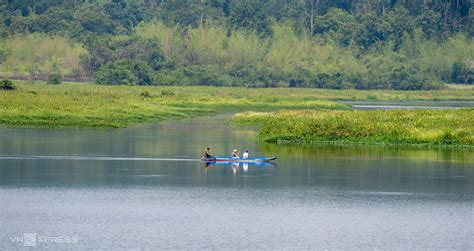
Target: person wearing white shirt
246,154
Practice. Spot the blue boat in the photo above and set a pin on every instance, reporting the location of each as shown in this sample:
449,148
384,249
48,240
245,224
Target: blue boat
240,160
245,164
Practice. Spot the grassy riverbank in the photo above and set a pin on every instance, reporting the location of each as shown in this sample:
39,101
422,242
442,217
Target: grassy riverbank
89,105
424,127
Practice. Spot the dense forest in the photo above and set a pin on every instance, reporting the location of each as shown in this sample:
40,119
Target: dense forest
340,44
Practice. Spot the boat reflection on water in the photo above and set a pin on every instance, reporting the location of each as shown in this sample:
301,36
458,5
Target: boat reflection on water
246,166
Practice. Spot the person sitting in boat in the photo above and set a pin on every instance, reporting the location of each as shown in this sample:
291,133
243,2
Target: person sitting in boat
245,155
235,154
208,154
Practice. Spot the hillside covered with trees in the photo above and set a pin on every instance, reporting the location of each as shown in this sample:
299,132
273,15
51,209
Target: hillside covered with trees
340,44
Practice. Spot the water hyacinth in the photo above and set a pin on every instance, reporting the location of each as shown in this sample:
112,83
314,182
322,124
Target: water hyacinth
426,127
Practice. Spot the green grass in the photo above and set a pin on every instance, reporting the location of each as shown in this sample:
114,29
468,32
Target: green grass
56,109
90,105
420,127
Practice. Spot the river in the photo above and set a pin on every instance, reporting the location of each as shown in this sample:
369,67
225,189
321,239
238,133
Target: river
144,187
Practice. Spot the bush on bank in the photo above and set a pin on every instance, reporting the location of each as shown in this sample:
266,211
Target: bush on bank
7,85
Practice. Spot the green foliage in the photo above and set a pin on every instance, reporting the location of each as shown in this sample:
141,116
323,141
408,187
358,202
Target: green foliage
325,80
54,79
7,85
39,54
462,73
304,78
245,48
250,14
437,60
370,31
118,73
86,19
209,56
194,75
146,94
406,77
427,127
255,43
116,48
256,76
395,71
167,93
206,46
170,41
126,72
429,22
191,12
90,105
85,105
398,23
143,72
92,19
337,24
3,54
301,78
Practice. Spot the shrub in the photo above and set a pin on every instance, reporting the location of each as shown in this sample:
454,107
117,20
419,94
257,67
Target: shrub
206,75
195,75
300,78
331,81
448,138
143,72
7,85
171,77
462,74
39,54
256,76
115,74
146,94
54,79
372,97
408,77
167,93
125,72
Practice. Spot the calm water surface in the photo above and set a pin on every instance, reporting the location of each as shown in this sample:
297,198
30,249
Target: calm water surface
143,187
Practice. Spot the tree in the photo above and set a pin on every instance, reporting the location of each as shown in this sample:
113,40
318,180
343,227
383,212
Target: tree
321,43
127,14
116,48
191,12
93,19
462,73
250,14
428,22
313,4
370,31
399,22
337,24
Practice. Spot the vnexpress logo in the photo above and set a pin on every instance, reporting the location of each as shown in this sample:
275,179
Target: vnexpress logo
32,239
